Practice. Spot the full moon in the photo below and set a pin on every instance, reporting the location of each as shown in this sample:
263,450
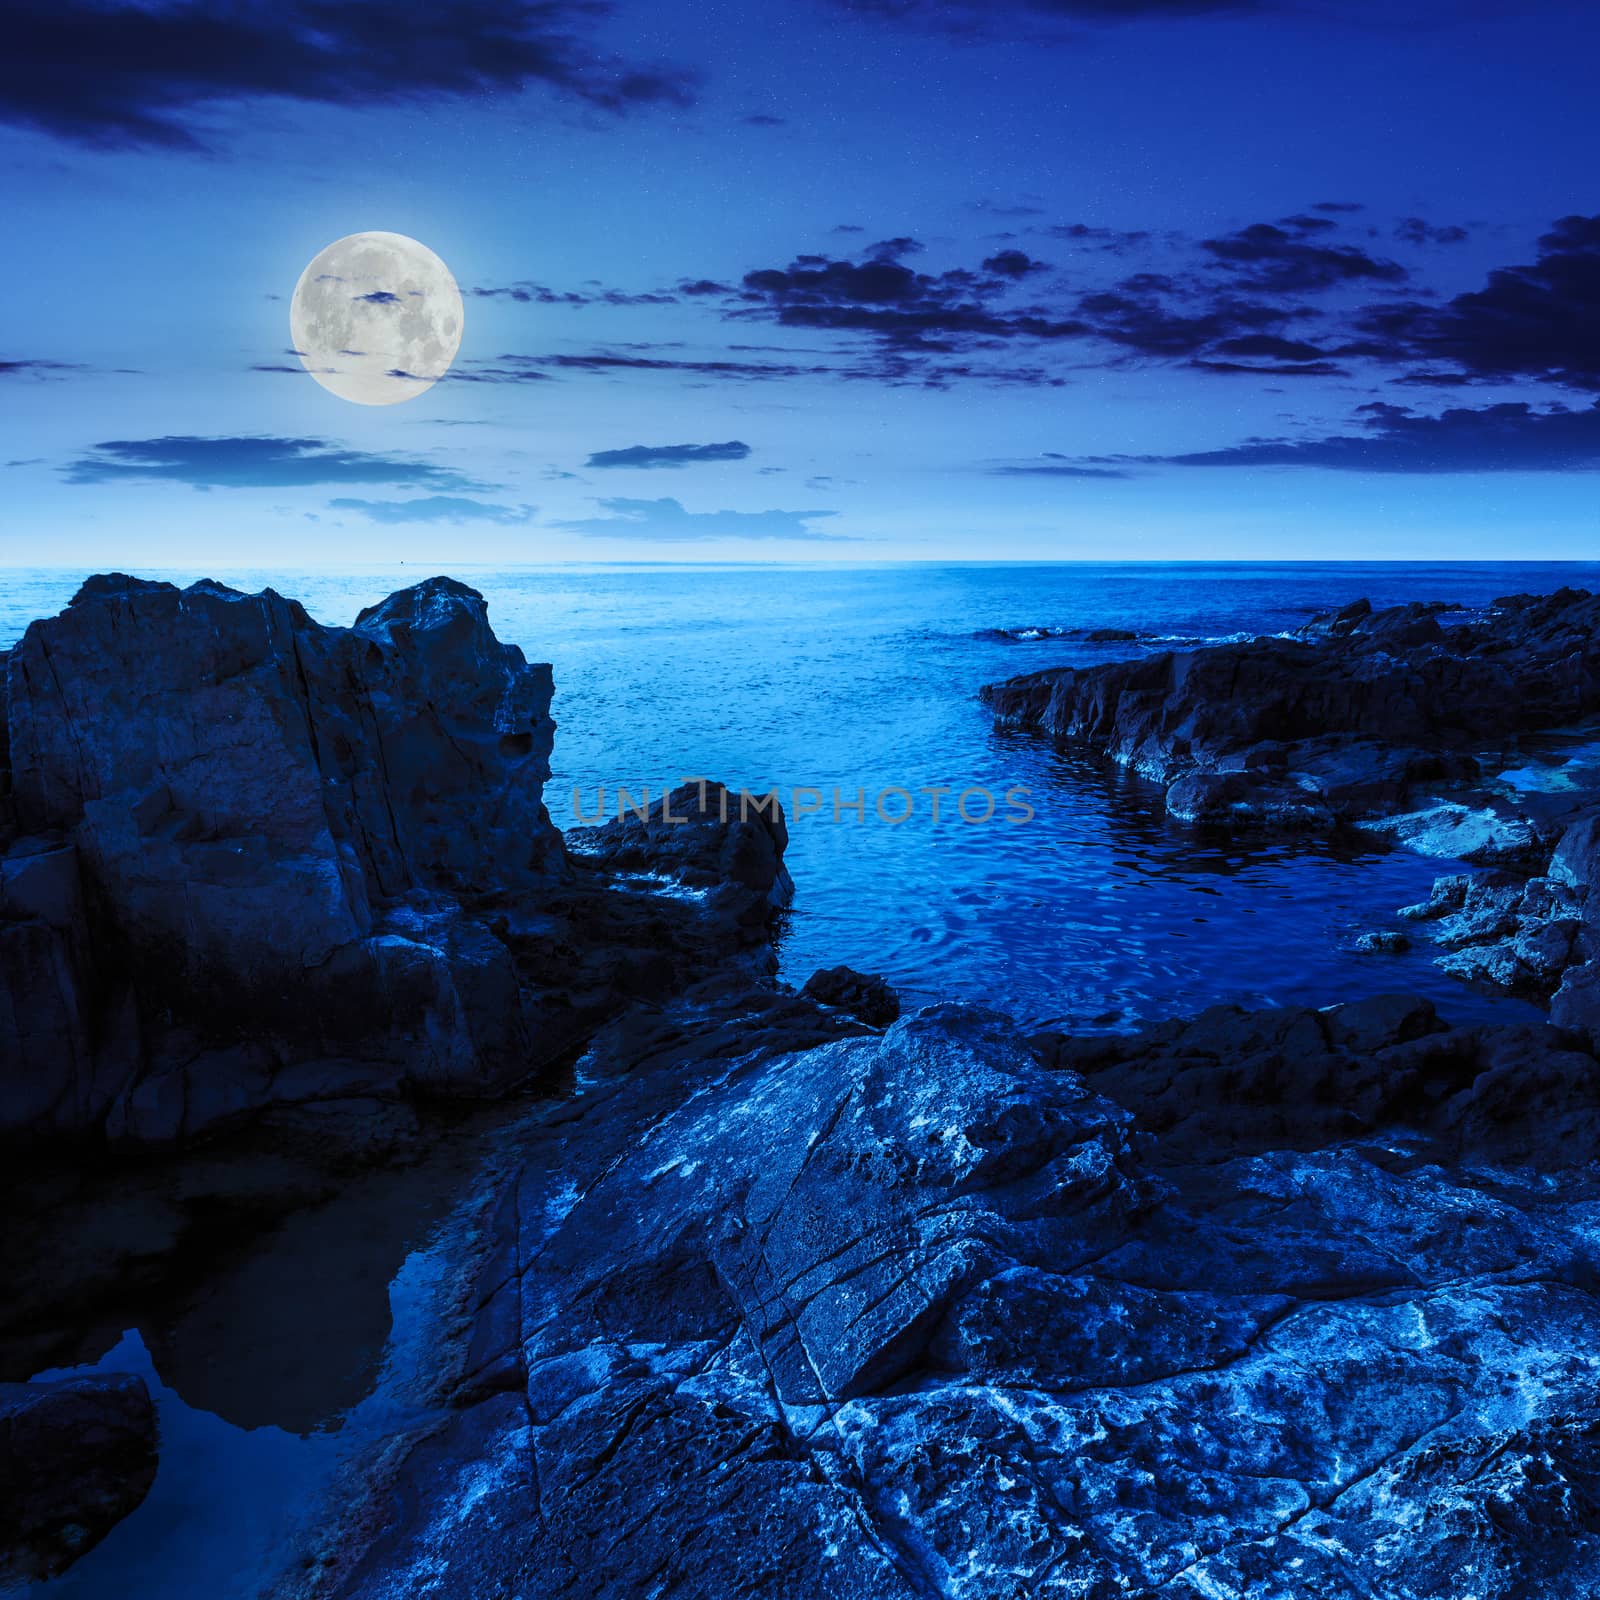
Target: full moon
376,318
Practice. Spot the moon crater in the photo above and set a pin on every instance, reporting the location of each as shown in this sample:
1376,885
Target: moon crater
376,318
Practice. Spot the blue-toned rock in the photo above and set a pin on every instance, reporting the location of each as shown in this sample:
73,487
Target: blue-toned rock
239,841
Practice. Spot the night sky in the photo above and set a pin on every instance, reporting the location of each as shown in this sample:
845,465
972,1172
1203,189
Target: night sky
811,279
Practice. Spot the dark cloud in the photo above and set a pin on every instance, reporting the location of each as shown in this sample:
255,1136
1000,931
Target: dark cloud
1308,369
1136,317
526,293
37,368
1536,321
1045,20
1052,467
1011,212
669,455
1014,264
1339,207
607,361
1301,222
435,508
1417,230
251,463
1117,241
378,297
1504,438
764,119
666,520
1270,346
146,72
520,369
883,296
1237,309
1283,261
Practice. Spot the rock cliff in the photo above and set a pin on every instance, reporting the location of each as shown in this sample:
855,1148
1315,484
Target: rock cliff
256,863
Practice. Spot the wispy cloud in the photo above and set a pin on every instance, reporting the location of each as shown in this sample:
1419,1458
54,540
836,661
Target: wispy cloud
1053,466
1514,437
669,455
37,368
252,463
667,521
436,508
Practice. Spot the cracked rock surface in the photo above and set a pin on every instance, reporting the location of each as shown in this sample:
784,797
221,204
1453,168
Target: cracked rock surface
1289,1303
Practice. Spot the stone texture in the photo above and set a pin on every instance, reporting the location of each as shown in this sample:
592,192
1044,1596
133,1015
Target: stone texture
1261,1304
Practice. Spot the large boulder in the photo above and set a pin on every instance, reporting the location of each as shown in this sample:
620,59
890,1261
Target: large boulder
76,1456
255,861
1260,1304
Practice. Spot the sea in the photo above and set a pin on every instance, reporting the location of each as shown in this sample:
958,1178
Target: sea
841,683
837,684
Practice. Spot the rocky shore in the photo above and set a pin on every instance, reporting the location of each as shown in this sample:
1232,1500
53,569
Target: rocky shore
282,889
1279,1303
1396,724
1357,717
789,1293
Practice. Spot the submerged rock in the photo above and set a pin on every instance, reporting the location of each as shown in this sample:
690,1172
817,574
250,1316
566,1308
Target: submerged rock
1263,1303
254,862
76,1456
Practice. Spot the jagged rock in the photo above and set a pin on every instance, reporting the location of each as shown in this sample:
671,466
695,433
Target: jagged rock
1347,721
1264,1303
863,995
1529,935
1382,941
1575,863
268,863
76,1456
724,846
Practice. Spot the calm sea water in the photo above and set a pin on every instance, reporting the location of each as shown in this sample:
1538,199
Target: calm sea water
1095,913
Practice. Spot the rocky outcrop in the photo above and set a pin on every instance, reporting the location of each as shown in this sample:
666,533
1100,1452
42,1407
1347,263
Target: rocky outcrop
723,847
1537,935
1290,1302
1351,718
254,862
861,994
76,1456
